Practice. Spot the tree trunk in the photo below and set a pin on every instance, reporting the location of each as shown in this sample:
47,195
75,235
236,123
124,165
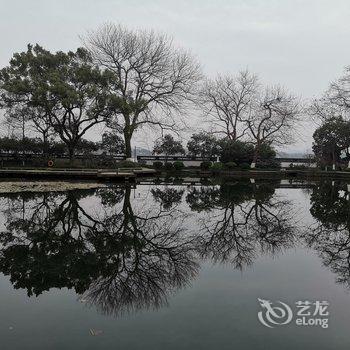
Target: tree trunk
23,137
255,156
127,140
71,155
46,146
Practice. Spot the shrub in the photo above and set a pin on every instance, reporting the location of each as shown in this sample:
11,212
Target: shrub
217,166
245,166
169,166
157,165
230,165
236,151
178,165
205,165
266,153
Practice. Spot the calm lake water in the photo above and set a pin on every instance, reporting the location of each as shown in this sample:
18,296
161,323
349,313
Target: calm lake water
171,266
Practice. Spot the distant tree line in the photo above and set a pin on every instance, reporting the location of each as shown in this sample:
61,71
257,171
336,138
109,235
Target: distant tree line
110,144
208,146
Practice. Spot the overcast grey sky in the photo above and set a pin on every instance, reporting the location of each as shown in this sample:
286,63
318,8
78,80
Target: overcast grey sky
300,44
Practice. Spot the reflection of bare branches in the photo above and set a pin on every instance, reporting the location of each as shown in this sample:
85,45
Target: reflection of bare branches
154,261
225,239
154,257
333,246
236,233
273,224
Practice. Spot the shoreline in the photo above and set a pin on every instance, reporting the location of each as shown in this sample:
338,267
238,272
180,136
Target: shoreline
46,186
100,176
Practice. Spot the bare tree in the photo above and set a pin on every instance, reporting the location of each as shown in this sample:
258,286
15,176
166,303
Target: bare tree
272,119
339,92
322,109
155,80
335,102
226,102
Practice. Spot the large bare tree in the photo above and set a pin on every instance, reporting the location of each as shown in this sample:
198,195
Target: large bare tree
226,102
335,102
155,80
339,92
272,120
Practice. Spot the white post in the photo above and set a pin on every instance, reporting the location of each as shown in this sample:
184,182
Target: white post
333,167
252,165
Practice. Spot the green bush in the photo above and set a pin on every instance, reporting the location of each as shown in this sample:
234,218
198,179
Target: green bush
217,166
169,166
230,165
178,165
245,166
236,151
266,153
157,165
205,165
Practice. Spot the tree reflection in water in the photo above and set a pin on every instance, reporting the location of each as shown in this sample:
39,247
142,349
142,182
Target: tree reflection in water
119,261
122,254
242,221
330,235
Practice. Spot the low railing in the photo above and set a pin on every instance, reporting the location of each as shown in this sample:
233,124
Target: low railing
174,158
16,156
202,159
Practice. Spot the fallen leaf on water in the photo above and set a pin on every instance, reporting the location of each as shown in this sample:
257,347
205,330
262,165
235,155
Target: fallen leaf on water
95,332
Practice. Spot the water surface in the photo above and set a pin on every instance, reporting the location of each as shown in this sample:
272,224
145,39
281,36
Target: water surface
173,266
